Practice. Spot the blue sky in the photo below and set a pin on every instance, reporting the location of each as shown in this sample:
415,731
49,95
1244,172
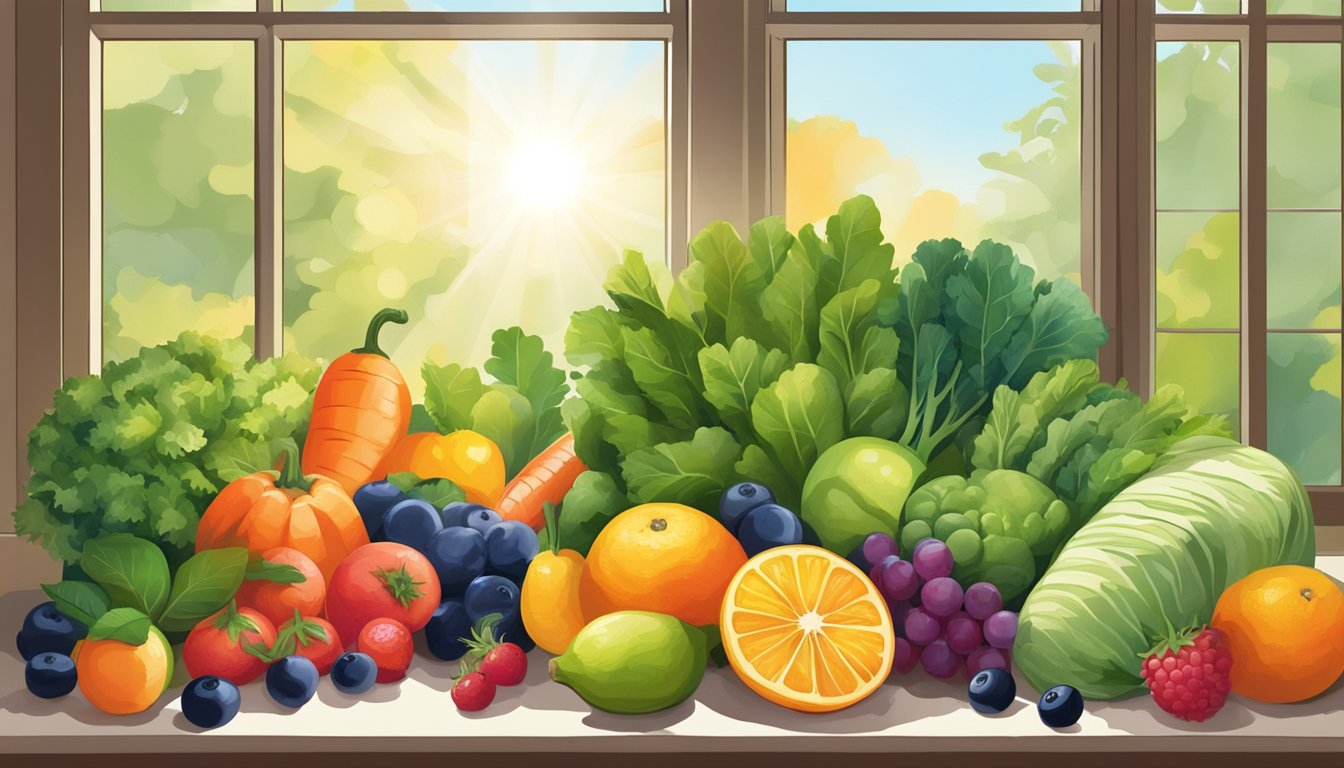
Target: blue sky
942,102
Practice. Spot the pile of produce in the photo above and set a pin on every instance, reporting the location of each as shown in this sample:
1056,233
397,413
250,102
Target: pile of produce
795,461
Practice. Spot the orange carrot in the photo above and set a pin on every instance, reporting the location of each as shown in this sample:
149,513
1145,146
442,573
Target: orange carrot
361,408
546,478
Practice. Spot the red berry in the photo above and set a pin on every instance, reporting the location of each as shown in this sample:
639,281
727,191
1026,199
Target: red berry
1188,674
505,664
389,643
473,692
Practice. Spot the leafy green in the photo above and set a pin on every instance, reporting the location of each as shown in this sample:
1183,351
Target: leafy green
80,600
203,585
438,491
590,504
784,345
1160,553
519,410
126,625
1084,439
143,447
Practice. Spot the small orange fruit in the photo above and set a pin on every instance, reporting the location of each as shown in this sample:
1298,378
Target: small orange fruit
122,679
550,603
1285,626
664,558
807,630
468,458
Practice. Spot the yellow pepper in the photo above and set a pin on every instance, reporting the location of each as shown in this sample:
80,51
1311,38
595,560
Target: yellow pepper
468,458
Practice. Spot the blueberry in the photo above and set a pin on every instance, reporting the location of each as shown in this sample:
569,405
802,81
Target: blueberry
292,681
740,499
47,630
412,522
491,594
354,673
455,514
513,631
446,628
1061,706
50,675
509,549
768,526
209,702
481,519
992,690
458,556
373,500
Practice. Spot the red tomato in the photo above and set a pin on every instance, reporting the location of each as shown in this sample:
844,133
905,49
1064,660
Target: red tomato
313,638
277,601
220,645
388,642
383,580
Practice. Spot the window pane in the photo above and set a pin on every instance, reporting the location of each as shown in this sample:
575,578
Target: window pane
933,5
1198,134
475,5
1007,169
178,178
1207,366
1304,404
177,5
1318,7
479,185
1304,125
1303,252
1198,270
1199,6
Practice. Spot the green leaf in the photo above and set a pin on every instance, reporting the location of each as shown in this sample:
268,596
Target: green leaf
505,416
758,466
1016,420
586,423
593,500
693,472
662,380
850,341
798,417
451,391
1061,327
132,571
593,335
923,285
985,305
259,569
857,253
733,282
125,625
789,302
523,362
80,600
733,377
769,243
437,491
204,584
875,405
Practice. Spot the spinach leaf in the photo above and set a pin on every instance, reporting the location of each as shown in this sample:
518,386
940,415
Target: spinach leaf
126,625
80,600
132,571
203,585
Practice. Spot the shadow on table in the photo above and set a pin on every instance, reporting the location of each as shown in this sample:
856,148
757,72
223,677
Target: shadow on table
1140,715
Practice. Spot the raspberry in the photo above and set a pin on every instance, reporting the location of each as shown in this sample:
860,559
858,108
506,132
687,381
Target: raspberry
1188,673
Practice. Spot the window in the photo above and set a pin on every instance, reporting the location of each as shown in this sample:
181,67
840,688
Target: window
479,180
1247,228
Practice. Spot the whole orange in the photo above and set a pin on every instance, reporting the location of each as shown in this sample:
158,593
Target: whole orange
122,679
665,558
1285,626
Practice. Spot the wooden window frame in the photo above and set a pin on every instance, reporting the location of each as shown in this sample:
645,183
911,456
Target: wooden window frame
726,128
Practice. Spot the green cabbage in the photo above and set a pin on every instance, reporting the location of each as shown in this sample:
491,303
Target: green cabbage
1160,553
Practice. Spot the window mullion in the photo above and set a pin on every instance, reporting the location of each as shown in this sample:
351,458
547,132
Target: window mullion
1254,217
269,281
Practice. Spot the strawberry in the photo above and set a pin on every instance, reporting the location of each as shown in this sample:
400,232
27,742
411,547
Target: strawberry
1188,673
473,692
503,663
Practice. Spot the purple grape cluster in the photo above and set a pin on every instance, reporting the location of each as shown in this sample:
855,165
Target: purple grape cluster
938,623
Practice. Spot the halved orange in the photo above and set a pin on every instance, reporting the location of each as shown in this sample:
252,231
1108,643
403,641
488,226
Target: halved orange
807,630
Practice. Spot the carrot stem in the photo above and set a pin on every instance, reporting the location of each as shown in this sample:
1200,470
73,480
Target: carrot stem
384,316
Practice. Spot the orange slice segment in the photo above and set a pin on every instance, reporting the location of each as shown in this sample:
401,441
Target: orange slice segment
807,630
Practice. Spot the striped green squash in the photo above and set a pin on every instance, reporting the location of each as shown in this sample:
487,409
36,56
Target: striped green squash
1208,513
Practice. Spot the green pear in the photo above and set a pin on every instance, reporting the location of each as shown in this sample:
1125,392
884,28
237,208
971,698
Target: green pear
632,662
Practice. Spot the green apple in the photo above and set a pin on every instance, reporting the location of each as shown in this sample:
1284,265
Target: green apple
857,487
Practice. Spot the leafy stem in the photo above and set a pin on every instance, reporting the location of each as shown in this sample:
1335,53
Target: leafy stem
400,585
